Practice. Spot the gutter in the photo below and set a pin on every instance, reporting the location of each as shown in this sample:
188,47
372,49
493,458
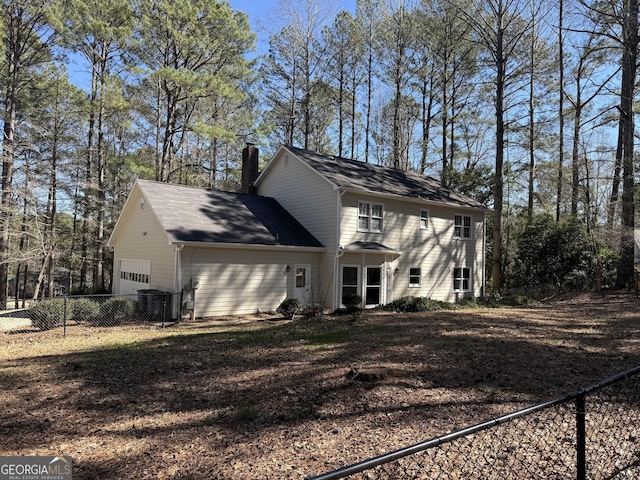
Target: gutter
249,246
177,287
420,200
484,256
337,301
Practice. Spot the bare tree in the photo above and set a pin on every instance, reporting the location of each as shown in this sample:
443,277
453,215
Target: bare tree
27,40
617,20
499,26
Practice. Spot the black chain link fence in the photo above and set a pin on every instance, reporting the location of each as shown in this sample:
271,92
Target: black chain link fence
592,434
148,307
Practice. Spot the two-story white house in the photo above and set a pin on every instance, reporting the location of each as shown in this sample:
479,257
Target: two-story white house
309,226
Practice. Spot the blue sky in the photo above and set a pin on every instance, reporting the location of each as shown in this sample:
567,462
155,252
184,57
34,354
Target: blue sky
259,11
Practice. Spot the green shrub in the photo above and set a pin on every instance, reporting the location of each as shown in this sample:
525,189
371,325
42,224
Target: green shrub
289,307
467,303
423,304
115,310
411,304
47,314
562,255
83,309
351,301
406,304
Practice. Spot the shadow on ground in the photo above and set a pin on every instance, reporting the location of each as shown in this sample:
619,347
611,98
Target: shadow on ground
276,397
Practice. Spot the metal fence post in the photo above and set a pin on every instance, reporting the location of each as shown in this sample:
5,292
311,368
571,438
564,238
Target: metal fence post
581,437
64,318
164,307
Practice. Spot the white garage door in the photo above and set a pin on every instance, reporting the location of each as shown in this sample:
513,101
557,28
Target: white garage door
134,276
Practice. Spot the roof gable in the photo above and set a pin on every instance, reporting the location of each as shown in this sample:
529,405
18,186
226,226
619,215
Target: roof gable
366,177
193,214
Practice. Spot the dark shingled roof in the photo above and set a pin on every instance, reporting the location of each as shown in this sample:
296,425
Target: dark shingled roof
352,174
192,214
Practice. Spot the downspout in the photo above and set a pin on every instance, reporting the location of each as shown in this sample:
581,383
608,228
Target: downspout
177,287
484,253
388,278
363,280
193,285
337,301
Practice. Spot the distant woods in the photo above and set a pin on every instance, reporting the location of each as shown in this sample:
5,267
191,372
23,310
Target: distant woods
525,105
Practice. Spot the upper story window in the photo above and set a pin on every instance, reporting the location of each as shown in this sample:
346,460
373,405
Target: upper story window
462,226
424,219
370,217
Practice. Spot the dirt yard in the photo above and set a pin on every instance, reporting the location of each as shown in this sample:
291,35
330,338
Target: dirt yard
271,399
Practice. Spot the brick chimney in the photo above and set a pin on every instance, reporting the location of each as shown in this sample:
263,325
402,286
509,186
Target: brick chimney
249,168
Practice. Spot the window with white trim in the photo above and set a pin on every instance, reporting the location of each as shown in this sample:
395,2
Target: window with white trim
415,275
424,219
370,217
350,281
462,226
461,279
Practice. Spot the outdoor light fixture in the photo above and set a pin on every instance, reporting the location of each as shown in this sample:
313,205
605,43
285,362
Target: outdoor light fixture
288,269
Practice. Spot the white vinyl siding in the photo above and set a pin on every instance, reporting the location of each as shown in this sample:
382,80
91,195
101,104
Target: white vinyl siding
431,250
244,281
312,200
305,195
143,240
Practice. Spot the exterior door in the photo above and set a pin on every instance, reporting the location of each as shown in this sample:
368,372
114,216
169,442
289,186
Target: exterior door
302,286
134,276
373,286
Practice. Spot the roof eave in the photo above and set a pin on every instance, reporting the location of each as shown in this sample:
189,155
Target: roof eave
373,251
249,246
419,200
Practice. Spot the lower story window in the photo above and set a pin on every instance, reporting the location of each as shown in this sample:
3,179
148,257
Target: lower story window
461,279
350,282
414,277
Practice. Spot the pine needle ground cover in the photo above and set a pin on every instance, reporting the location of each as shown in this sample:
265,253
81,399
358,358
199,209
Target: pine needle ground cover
282,399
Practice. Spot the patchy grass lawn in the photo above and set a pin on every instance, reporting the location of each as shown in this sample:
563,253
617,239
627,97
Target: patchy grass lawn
274,399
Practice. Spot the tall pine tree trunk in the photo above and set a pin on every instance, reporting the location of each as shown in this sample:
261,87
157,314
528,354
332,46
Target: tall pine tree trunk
497,264
8,158
560,108
629,66
617,171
